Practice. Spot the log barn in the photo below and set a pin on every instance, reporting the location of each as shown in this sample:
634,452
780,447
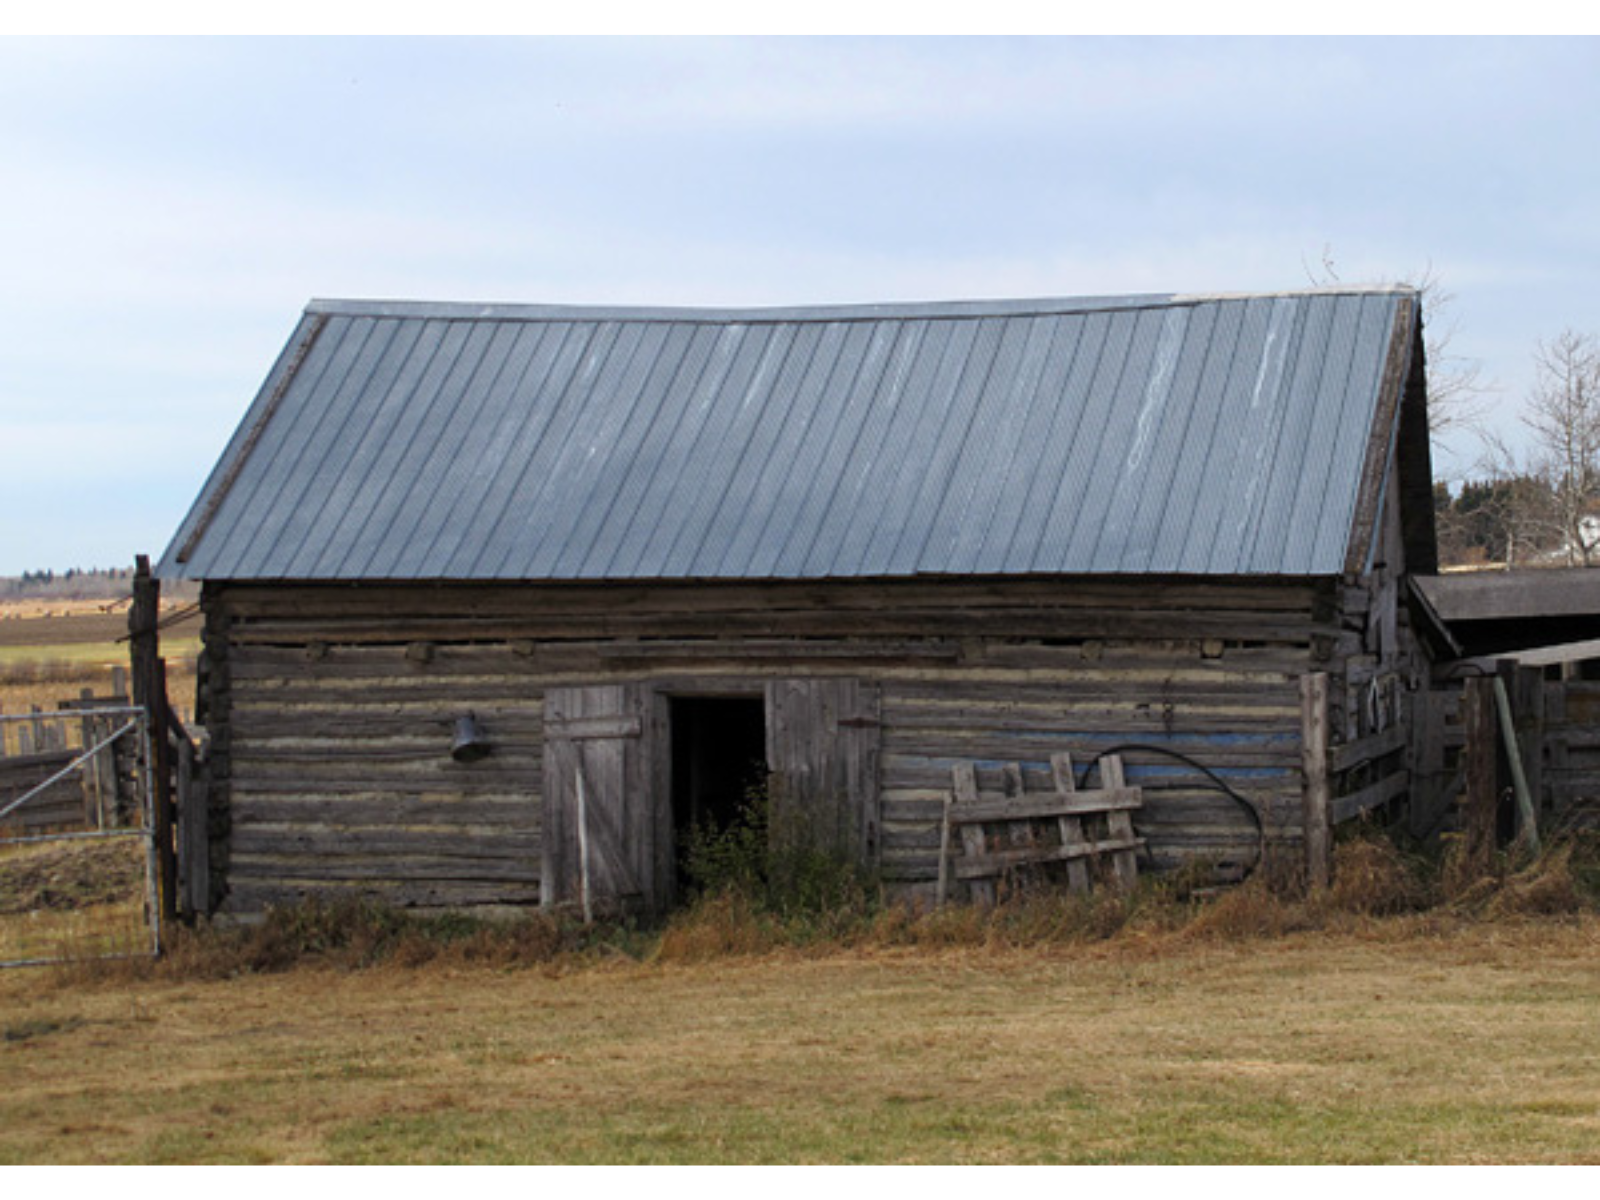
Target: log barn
500,600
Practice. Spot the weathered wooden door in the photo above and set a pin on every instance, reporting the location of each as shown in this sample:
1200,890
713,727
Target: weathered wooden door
822,752
607,835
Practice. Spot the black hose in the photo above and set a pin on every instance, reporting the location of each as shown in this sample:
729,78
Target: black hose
1222,784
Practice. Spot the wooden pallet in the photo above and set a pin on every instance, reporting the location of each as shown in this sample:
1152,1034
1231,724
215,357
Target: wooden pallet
1010,833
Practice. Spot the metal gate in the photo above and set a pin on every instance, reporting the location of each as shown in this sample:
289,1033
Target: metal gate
78,869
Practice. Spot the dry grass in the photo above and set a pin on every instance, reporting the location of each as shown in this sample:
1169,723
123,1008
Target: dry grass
39,675
66,900
1446,1042
1382,1021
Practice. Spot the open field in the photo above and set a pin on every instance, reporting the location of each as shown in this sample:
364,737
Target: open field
51,651
1402,1040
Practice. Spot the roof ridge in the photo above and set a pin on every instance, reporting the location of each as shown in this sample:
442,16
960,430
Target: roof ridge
898,310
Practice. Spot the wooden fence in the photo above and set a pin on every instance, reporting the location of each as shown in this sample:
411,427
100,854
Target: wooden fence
1569,767
1462,759
41,747
1011,836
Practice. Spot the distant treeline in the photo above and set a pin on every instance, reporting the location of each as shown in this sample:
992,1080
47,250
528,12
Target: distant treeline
75,583
81,583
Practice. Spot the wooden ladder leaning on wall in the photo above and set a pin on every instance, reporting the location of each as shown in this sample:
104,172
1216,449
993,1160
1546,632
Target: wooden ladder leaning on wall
1003,832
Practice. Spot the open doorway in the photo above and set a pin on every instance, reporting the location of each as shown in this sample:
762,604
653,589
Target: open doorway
719,762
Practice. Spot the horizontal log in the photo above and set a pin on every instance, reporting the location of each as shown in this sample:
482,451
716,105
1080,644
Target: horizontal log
523,656
42,763
923,866
252,897
1033,747
1152,683
989,807
399,601
497,672
919,775
321,717
520,813
1131,619
1344,808
245,866
464,846
276,757
915,759
1573,737
790,648
1162,820
1069,716
1287,661
898,843
997,862
358,781
1366,749
371,748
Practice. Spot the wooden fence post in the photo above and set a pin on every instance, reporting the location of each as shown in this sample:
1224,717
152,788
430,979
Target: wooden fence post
149,678
1527,702
1513,741
1481,802
1316,793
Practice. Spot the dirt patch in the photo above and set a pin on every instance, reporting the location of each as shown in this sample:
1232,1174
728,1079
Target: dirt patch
69,875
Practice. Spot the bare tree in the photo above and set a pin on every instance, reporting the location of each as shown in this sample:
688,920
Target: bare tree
1563,414
1457,395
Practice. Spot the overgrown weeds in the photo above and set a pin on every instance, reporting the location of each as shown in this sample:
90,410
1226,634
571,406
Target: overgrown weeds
1373,876
354,934
778,864
1376,883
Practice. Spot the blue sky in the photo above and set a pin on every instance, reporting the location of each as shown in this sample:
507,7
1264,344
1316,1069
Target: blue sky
171,204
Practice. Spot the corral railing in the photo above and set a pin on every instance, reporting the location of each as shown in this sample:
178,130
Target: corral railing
77,849
1536,734
1570,766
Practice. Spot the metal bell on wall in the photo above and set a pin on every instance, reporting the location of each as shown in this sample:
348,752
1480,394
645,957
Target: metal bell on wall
471,743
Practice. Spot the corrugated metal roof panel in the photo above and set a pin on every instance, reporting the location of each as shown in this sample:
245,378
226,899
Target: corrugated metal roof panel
1169,435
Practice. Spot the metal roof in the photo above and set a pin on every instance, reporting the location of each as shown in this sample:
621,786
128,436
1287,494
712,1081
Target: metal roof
1208,435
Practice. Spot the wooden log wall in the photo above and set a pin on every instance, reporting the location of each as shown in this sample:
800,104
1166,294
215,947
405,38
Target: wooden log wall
331,710
1378,683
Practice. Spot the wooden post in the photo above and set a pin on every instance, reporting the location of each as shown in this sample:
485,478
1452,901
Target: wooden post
1482,797
1120,824
1071,827
194,835
943,893
1316,793
964,778
149,677
1527,817
89,784
1527,703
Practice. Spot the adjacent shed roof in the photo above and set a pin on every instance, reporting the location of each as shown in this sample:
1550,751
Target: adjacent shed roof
1199,435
